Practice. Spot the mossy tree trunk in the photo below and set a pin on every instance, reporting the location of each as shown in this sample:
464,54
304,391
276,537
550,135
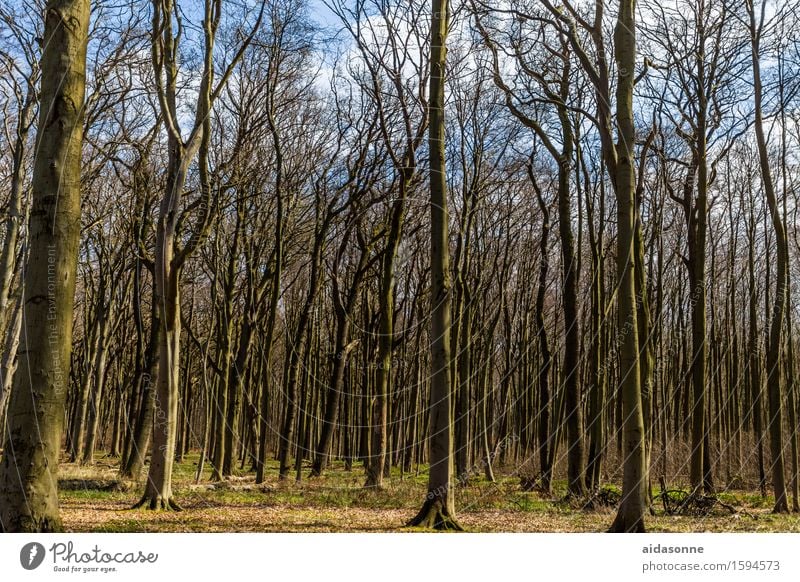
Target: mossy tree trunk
28,473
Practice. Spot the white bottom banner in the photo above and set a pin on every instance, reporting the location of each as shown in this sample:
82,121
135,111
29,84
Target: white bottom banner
388,557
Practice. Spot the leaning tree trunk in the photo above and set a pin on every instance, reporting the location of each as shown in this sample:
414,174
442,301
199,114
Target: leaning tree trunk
439,509
8,363
28,473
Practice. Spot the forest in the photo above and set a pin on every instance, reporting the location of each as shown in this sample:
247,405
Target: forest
399,265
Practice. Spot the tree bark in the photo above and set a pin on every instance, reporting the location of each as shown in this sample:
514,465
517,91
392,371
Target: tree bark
630,515
774,376
28,473
438,510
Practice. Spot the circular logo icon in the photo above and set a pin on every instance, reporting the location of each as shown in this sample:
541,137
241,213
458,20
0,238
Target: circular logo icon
31,555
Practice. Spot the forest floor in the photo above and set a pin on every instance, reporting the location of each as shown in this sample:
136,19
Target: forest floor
92,500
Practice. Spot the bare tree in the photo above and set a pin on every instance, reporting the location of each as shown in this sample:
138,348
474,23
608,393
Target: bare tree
170,255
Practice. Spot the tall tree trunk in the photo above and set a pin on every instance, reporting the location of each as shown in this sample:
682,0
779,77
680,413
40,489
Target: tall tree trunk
696,220
264,428
158,491
597,391
572,332
461,338
630,515
545,358
794,481
28,476
438,511
753,364
774,377
463,380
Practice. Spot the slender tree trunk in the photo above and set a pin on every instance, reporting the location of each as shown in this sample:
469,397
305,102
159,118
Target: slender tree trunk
461,338
630,515
545,358
597,391
343,311
697,218
572,332
277,270
380,408
794,481
774,377
143,422
484,428
464,376
438,511
754,368
99,374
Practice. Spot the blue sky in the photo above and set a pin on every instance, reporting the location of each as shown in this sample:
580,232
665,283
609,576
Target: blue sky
322,14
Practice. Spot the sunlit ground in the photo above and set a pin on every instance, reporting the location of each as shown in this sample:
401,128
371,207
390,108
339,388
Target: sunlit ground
93,501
